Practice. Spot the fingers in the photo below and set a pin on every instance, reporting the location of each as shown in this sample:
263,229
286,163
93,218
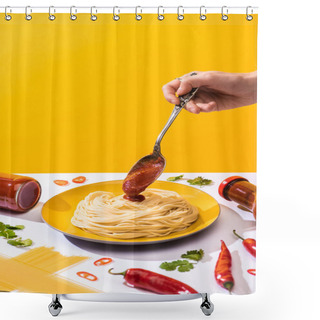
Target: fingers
197,107
208,107
182,85
192,107
169,91
193,80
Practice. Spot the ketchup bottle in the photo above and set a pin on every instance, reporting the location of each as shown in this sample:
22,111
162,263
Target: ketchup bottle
18,193
239,190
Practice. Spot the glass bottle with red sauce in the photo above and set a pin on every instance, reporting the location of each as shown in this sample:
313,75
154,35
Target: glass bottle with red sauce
239,190
18,193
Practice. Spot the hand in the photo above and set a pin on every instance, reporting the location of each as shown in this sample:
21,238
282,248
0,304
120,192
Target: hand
217,90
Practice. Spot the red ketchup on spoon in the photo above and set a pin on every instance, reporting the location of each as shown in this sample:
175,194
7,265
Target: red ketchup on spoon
143,173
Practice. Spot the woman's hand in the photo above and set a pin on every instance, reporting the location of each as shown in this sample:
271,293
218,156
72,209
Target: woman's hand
217,90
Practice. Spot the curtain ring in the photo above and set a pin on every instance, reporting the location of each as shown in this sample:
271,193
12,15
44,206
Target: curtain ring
180,15
93,16
72,15
7,16
249,17
138,16
51,15
224,13
28,16
116,17
203,12
160,16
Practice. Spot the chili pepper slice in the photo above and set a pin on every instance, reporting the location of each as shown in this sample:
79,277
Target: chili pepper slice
61,182
222,270
249,244
102,262
155,282
252,271
80,179
87,275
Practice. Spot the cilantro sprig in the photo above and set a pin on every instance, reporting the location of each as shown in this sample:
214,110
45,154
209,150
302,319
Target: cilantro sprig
183,265
20,243
199,181
7,232
196,255
175,178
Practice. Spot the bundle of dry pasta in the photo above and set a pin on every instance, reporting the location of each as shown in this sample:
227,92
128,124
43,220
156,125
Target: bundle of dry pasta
160,214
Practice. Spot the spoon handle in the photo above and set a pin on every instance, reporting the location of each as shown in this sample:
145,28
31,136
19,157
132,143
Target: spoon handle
176,110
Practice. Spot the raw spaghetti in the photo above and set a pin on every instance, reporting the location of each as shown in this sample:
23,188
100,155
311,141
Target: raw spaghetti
160,214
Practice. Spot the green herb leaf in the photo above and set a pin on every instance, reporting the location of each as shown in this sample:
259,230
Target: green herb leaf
20,243
182,265
199,181
175,178
196,255
8,234
17,227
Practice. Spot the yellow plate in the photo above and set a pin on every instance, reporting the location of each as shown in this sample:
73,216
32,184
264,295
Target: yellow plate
58,211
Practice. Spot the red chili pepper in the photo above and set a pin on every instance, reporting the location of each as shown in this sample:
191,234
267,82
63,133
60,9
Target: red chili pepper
61,182
155,282
80,179
222,271
102,262
249,244
87,275
252,271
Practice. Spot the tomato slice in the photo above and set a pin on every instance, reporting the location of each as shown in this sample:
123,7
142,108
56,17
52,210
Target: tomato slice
252,271
102,262
87,275
61,182
80,179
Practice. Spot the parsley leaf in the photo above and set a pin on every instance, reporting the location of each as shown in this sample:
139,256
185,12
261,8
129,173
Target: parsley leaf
182,265
17,227
175,178
199,181
8,234
20,243
196,255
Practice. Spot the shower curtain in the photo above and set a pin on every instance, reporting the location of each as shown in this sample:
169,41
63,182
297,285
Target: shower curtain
81,101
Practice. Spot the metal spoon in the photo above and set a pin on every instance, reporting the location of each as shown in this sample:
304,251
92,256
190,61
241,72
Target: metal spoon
149,168
177,108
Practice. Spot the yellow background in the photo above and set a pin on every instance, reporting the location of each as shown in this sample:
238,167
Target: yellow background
83,96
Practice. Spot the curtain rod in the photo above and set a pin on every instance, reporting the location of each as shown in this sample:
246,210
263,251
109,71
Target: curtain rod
146,9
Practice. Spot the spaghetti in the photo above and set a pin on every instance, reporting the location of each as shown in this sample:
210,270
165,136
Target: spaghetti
161,213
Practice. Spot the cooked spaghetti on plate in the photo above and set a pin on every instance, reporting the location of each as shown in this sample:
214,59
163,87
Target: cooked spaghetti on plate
161,213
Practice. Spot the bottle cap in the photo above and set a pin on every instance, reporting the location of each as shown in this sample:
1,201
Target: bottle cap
225,183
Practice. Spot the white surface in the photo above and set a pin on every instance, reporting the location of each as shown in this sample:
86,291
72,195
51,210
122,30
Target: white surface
288,180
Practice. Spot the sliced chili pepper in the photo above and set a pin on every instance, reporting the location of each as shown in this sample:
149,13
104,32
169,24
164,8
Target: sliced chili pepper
222,270
61,182
249,244
155,282
80,179
87,275
252,271
102,262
